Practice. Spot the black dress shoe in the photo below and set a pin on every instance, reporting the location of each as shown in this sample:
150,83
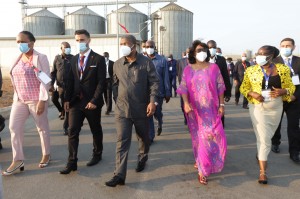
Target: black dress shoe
68,169
95,159
159,130
295,158
275,148
116,180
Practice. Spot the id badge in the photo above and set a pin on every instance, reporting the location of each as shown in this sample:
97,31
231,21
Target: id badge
266,93
295,79
43,77
170,68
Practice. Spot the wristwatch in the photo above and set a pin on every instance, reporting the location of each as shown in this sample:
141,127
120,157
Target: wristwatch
222,105
155,103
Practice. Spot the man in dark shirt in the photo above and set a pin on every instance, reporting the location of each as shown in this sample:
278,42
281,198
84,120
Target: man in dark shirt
108,83
137,94
238,77
59,75
172,74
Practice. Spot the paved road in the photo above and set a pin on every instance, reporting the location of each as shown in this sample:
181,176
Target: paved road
169,172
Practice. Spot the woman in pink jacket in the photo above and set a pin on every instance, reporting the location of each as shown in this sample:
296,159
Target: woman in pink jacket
29,75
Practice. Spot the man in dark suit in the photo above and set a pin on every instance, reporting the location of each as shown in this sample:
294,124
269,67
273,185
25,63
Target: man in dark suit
221,62
137,95
108,83
83,99
291,109
238,76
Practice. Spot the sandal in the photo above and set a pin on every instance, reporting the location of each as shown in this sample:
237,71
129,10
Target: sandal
263,177
44,164
202,180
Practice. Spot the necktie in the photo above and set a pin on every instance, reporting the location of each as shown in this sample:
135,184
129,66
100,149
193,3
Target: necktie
81,63
289,61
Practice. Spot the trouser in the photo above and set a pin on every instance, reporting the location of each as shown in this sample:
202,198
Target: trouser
292,111
158,115
173,83
238,94
124,134
108,94
55,99
20,111
77,114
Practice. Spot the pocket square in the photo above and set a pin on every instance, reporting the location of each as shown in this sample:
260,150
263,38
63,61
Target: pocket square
94,66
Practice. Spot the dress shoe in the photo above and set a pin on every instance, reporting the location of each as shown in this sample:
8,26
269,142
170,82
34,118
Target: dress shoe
94,160
295,158
116,180
140,166
20,166
68,169
159,130
275,148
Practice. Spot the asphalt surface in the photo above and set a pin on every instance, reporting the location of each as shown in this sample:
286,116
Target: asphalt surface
169,172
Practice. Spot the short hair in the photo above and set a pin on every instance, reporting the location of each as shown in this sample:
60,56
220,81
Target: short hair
152,42
212,41
28,34
229,59
271,50
288,39
106,53
83,32
129,38
191,58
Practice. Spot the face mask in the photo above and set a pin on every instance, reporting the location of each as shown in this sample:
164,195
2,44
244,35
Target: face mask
220,54
144,50
244,58
67,51
125,50
169,59
23,47
286,52
261,60
81,47
212,51
187,55
228,62
150,51
201,56
253,60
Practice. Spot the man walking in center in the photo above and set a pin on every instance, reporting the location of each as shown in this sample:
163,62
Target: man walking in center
83,99
108,83
137,94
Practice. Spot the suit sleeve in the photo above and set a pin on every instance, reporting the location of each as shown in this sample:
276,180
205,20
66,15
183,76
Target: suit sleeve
101,77
70,81
53,71
153,82
225,76
166,79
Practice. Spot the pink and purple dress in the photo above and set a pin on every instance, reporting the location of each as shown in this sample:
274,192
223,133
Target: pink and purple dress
203,87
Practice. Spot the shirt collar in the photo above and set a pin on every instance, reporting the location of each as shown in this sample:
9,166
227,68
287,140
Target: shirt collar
86,54
284,57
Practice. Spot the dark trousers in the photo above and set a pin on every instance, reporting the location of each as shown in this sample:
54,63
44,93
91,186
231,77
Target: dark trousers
238,94
292,111
59,94
124,134
108,94
77,115
173,83
158,115
55,99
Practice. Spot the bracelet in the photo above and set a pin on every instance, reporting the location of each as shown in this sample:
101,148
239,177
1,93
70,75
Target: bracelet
222,105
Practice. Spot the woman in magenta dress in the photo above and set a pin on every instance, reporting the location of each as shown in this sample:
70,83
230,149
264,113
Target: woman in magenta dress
202,89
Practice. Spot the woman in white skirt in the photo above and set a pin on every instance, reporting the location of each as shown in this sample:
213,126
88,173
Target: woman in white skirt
266,85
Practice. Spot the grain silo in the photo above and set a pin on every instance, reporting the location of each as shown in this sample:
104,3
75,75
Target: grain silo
172,29
133,20
44,23
84,18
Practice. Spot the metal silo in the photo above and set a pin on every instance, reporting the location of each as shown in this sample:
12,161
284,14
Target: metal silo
84,18
133,20
172,29
43,23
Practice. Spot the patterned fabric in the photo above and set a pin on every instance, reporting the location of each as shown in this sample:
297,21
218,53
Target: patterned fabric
203,88
254,77
26,83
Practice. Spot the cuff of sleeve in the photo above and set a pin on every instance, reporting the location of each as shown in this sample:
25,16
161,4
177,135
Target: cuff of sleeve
153,99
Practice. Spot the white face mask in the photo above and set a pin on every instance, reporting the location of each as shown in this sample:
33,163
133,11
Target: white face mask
220,54
144,50
150,51
286,52
125,50
67,51
169,59
261,60
201,56
212,51
244,58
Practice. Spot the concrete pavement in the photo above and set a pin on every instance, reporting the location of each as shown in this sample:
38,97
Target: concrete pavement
169,172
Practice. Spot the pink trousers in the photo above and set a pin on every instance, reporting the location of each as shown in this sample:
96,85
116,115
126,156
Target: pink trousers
20,112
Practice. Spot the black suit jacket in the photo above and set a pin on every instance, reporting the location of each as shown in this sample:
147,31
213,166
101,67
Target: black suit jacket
221,62
110,68
90,87
239,70
296,68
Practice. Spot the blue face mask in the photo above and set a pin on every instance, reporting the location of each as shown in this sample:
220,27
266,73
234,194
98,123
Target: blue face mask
23,47
67,51
81,47
286,52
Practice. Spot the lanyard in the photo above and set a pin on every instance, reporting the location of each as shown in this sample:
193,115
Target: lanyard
245,65
267,77
32,66
288,63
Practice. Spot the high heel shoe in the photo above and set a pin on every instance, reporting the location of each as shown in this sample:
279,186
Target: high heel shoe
262,177
44,164
202,180
7,173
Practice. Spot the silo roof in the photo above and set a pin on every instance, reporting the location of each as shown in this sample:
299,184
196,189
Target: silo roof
128,8
44,13
84,11
173,7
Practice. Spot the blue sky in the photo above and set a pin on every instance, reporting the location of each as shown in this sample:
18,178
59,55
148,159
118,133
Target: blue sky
235,25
